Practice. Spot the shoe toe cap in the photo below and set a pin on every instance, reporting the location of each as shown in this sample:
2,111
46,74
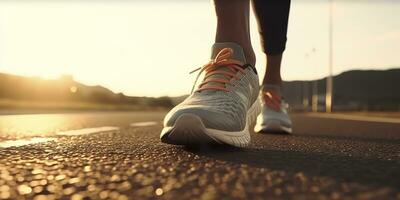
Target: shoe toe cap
210,119
269,115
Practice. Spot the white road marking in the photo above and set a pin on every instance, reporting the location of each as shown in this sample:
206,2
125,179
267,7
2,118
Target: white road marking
86,131
356,118
22,142
140,124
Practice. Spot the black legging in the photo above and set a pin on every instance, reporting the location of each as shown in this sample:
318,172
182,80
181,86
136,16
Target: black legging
272,17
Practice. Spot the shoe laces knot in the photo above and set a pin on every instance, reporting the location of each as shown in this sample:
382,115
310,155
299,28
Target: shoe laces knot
272,99
220,71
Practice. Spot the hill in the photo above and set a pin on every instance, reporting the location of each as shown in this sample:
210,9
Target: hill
353,90
66,92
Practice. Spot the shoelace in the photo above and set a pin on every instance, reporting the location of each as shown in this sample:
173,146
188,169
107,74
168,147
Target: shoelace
223,59
272,99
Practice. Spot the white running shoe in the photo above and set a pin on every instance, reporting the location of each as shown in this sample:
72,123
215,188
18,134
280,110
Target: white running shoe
222,107
274,117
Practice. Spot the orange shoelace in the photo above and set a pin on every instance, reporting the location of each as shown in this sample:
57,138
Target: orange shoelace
272,99
223,59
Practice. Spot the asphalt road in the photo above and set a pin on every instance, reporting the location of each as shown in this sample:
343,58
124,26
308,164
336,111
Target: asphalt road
328,157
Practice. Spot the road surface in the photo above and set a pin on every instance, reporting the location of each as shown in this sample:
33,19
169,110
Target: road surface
104,155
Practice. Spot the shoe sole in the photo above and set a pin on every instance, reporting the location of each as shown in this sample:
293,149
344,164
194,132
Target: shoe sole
189,129
273,127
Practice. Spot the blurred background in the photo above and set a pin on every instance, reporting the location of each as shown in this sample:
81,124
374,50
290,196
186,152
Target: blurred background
137,54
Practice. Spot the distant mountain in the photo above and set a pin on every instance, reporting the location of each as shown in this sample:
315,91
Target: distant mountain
353,90
65,89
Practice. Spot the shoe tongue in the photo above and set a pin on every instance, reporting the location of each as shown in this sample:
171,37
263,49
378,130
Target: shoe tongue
238,54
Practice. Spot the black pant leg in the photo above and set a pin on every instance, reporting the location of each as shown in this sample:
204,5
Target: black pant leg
272,17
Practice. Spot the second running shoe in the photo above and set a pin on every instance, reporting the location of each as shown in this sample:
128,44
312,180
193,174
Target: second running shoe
274,117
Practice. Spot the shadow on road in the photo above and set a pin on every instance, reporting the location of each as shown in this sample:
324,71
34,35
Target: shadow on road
339,167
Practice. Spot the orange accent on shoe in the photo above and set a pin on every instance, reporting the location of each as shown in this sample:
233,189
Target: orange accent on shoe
272,99
223,59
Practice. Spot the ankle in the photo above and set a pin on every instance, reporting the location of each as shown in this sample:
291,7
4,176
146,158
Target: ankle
250,56
272,81
273,70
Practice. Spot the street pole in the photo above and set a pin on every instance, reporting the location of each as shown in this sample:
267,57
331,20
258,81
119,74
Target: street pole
304,91
314,100
305,96
306,86
329,79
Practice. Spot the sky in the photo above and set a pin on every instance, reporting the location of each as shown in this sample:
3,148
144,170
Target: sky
144,48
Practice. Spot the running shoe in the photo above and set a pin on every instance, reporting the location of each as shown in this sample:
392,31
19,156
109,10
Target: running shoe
222,107
274,117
